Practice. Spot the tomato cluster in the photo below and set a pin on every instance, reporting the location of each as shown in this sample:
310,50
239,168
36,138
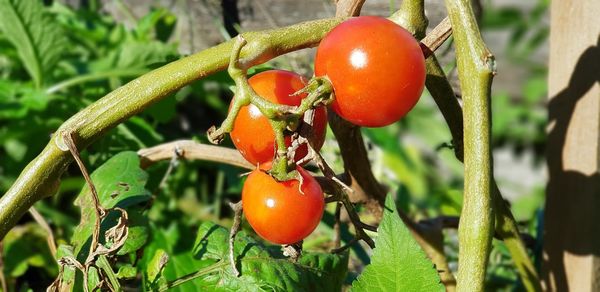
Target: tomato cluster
268,204
377,71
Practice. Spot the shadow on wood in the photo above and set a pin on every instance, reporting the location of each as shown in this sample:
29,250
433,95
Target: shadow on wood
573,197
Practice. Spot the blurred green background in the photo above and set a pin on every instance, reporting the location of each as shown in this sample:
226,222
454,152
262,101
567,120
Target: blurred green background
89,48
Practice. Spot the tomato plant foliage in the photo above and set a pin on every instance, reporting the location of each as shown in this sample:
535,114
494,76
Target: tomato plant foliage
120,183
56,60
264,268
398,262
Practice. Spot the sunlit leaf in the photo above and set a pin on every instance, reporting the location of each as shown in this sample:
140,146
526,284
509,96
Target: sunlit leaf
262,268
119,182
398,262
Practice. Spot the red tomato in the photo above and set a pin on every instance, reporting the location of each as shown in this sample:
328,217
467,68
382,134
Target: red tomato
252,134
376,67
277,211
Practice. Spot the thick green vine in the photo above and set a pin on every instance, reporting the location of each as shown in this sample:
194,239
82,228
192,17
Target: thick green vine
41,177
475,69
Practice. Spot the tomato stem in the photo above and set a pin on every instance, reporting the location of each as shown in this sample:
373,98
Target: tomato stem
281,117
320,92
282,170
411,16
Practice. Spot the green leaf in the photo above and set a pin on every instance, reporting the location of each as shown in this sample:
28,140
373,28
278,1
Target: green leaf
25,246
538,39
156,265
524,208
109,274
262,268
17,100
15,149
172,244
398,262
120,182
135,54
501,18
142,54
159,24
163,111
127,272
535,89
36,36
139,133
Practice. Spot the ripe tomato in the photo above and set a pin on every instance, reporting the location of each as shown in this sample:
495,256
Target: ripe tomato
277,211
252,134
376,67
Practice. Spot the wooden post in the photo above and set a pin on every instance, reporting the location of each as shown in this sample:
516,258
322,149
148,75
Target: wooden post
571,258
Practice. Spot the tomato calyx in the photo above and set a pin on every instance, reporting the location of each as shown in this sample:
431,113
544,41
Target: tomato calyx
294,174
244,96
282,118
320,93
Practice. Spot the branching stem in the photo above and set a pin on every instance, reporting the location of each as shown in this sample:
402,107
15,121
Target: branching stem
41,177
281,117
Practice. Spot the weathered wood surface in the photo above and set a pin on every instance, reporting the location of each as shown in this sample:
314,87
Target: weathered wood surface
571,259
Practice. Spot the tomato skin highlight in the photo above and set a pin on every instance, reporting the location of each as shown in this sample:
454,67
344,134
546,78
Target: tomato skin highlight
252,133
277,211
376,67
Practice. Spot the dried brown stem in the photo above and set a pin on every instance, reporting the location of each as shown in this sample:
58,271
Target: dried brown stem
44,224
365,187
345,8
235,228
192,150
117,234
340,192
100,211
436,37
345,247
359,226
172,164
